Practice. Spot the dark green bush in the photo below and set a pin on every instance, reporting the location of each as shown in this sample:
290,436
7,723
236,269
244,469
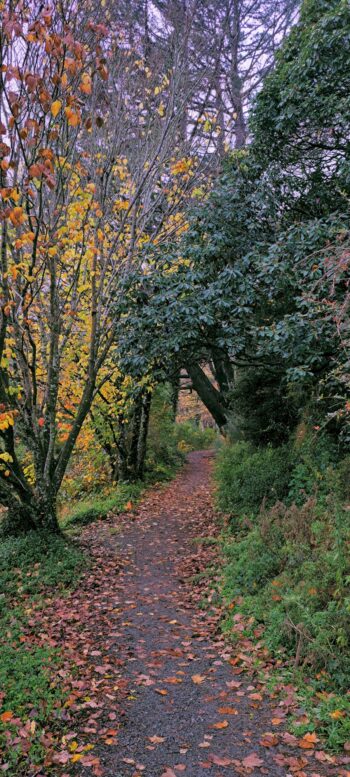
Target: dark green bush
290,569
248,477
263,411
251,564
293,571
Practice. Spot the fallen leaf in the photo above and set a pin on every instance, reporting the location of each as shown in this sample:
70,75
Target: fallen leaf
219,760
221,724
268,739
197,679
61,758
308,741
337,714
252,761
172,680
227,711
6,716
156,740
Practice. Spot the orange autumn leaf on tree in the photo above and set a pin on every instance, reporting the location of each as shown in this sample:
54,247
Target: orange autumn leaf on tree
73,117
56,107
86,84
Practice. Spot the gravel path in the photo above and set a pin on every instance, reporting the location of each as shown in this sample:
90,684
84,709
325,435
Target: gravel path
190,709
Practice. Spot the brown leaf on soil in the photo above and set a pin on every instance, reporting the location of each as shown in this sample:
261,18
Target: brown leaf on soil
252,761
308,741
220,760
172,680
268,739
220,724
156,740
197,679
227,711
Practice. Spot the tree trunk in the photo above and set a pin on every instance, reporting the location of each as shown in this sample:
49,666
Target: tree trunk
37,514
209,395
135,434
122,447
175,390
223,370
142,443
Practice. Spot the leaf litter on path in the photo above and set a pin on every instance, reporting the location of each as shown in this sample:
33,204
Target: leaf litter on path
137,624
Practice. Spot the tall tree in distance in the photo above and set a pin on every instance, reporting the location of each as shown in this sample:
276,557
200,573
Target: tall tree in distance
231,46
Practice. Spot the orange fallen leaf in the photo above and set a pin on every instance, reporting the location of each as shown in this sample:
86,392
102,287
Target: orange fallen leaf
75,758
6,716
308,741
172,680
221,724
197,679
227,711
268,739
161,691
337,714
276,721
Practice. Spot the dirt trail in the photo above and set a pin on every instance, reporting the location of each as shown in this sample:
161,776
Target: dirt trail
189,711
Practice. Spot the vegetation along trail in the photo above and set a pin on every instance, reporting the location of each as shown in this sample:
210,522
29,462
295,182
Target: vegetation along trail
190,707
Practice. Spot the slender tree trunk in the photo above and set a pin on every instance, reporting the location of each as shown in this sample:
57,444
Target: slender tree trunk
142,443
236,80
175,390
123,472
135,433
